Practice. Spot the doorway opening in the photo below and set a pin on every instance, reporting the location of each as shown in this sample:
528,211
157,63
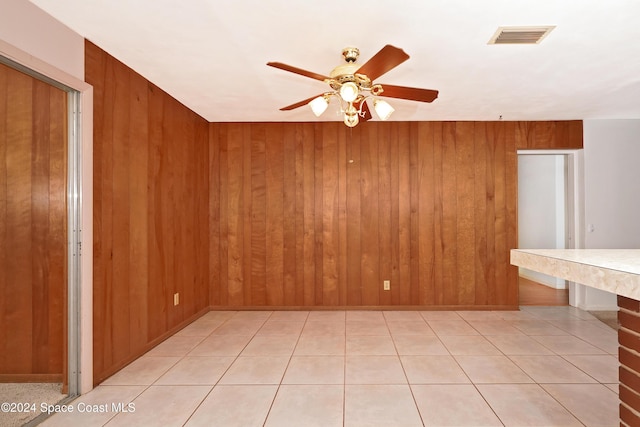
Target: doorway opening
549,217
40,217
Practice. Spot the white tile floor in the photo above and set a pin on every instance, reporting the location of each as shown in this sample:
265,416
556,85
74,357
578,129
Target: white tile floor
541,366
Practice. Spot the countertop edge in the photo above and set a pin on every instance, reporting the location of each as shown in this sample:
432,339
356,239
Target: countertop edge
553,263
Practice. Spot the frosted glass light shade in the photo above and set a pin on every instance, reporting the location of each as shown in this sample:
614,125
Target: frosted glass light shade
383,109
349,91
318,105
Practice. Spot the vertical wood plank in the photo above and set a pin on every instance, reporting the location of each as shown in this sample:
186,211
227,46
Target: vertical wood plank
438,215
57,234
398,287
510,292
214,191
95,71
4,289
354,215
158,163
246,213
329,217
404,191
414,214
449,214
39,193
480,210
225,221
18,315
276,222
426,217
202,226
255,216
235,226
493,130
301,138
370,251
383,137
318,202
174,227
120,212
309,221
180,218
465,221
342,251
289,216
500,228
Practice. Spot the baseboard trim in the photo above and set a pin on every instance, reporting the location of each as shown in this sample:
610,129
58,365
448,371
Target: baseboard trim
151,344
542,280
371,307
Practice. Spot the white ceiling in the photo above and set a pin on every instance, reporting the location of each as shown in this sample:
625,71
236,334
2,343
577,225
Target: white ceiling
211,54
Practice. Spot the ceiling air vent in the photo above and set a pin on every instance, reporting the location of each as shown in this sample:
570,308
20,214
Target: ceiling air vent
520,35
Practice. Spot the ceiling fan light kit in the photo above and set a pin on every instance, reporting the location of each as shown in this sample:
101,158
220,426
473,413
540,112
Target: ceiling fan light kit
349,92
351,116
383,108
319,105
353,86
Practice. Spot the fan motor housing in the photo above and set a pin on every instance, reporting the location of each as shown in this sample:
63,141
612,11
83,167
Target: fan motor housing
348,73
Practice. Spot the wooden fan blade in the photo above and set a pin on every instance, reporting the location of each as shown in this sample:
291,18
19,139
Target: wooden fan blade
386,59
297,70
411,93
365,110
299,104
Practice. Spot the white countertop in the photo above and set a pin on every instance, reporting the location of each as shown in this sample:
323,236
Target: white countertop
612,270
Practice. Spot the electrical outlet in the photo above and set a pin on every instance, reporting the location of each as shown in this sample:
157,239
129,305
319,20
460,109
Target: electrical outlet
176,298
387,285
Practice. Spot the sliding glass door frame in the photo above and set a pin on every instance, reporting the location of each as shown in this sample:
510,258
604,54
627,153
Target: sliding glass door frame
79,212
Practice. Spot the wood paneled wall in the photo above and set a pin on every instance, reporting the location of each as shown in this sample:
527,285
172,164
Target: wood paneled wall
318,215
151,226
33,234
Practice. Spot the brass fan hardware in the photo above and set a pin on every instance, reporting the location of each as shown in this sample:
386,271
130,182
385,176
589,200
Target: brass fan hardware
352,84
350,54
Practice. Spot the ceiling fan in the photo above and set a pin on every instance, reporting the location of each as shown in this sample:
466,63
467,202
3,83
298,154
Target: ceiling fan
353,85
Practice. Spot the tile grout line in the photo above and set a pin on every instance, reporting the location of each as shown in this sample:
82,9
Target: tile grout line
221,375
344,373
147,387
404,371
539,385
475,386
228,367
218,380
279,385
387,321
